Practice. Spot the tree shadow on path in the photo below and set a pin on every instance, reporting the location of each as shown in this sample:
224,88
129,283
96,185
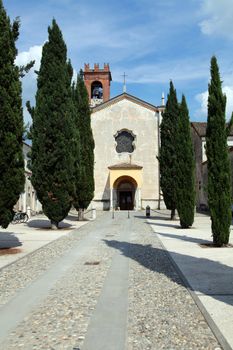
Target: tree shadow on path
153,218
204,275
9,240
185,238
46,224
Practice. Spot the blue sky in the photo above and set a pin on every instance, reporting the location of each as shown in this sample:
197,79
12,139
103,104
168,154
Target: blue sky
152,41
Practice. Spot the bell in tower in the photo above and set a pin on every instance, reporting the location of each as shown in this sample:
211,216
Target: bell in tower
97,82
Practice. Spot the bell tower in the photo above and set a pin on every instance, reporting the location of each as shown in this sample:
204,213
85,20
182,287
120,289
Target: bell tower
97,82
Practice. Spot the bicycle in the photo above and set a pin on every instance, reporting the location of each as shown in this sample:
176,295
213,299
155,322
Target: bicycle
20,217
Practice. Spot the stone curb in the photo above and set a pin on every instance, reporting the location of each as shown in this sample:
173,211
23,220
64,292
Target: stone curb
38,249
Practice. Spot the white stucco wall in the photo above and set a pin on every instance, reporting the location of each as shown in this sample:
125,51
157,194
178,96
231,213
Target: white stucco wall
143,122
28,198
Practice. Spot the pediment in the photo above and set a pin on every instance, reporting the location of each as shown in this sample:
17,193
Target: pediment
126,97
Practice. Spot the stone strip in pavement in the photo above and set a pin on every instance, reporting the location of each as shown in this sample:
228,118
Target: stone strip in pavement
18,307
20,273
162,313
60,321
108,325
158,313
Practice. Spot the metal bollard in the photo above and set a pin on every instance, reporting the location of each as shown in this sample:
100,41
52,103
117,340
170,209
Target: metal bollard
148,211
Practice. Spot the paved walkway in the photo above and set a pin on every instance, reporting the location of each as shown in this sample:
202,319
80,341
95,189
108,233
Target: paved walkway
207,270
108,285
25,238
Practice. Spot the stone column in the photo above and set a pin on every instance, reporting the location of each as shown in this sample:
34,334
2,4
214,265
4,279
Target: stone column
136,199
111,198
24,201
114,196
139,199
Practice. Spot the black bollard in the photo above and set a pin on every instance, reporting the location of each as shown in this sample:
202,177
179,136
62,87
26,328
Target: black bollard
148,211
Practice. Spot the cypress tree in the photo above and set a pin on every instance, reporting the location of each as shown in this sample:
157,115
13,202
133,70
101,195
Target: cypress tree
185,192
85,166
219,179
77,156
11,121
167,158
52,155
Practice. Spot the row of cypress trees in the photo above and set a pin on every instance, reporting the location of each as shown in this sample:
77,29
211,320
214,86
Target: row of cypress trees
62,157
177,159
11,120
62,143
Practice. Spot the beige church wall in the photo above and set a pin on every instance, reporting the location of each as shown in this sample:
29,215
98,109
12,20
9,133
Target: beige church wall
142,121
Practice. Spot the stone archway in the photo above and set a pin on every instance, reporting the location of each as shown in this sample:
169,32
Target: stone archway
125,189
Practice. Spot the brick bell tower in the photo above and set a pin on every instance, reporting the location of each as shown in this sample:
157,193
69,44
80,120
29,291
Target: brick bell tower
97,82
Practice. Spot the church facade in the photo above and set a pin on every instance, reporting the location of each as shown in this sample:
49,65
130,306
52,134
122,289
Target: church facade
126,135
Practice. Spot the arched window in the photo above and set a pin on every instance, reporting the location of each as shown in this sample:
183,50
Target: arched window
96,90
125,141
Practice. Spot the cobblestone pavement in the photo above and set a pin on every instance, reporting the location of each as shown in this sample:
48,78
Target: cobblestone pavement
161,312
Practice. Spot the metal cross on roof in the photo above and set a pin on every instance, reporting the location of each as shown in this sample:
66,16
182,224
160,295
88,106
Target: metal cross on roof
124,86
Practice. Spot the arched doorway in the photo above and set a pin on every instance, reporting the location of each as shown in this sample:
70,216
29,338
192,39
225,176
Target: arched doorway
125,189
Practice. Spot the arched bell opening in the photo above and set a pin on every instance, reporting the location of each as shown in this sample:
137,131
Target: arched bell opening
125,189
97,90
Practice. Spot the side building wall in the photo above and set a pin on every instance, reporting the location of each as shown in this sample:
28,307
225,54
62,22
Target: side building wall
28,200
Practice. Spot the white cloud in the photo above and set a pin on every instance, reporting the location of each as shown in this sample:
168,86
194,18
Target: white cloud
34,53
203,99
29,80
217,17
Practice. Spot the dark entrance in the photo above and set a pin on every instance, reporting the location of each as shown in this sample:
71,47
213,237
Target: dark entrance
126,200
125,190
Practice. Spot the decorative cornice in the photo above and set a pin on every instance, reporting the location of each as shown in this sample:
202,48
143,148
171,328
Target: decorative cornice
125,166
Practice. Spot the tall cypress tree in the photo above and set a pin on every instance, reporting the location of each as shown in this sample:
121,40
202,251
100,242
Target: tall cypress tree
219,179
52,156
168,159
185,192
11,121
85,169
77,155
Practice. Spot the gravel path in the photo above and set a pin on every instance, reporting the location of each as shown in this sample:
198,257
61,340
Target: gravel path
161,312
33,265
